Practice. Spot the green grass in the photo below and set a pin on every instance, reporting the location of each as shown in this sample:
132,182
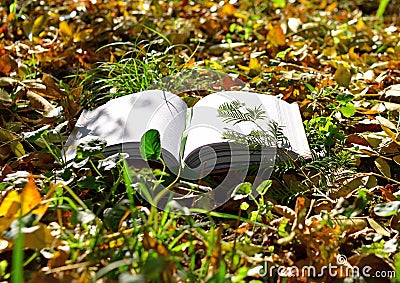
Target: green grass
141,66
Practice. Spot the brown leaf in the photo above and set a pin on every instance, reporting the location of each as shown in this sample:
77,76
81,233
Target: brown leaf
383,166
285,211
387,194
39,102
374,265
7,64
52,89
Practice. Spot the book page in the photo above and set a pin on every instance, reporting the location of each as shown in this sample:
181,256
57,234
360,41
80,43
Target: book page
207,128
126,119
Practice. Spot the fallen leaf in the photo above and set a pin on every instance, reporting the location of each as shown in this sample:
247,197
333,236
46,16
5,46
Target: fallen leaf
39,24
7,64
30,196
342,76
66,30
39,102
378,228
383,166
276,37
9,138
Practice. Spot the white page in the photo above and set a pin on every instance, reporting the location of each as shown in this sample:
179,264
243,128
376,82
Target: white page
207,128
126,119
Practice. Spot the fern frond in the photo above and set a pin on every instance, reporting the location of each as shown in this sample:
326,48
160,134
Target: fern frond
234,112
256,113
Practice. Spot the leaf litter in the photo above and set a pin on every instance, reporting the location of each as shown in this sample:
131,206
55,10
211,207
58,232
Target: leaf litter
339,62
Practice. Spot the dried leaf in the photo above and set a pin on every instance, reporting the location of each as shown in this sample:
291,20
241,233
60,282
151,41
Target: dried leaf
5,96
10,139
351,224
39,102
276,37
397,159
39,238
30,196
7,64
66,30
39,24
383,166
389,128
378,228
285,211
342,76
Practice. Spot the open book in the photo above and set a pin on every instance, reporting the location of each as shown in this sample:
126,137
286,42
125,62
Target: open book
192,135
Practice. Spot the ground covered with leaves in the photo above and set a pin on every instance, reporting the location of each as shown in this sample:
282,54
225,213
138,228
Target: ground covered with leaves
330,219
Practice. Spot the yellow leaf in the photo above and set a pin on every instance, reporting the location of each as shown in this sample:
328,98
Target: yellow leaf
17,148
10,205
228,9
9,208
39,238
66,30
30,196
342,76
382,166
38,24
276,36
255,67
330,52
389,128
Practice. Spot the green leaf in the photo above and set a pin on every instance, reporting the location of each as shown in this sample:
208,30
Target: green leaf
90,147
387,209
348,110
263,187
34,135
344,97
241,191
244,206
150,145
279,3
